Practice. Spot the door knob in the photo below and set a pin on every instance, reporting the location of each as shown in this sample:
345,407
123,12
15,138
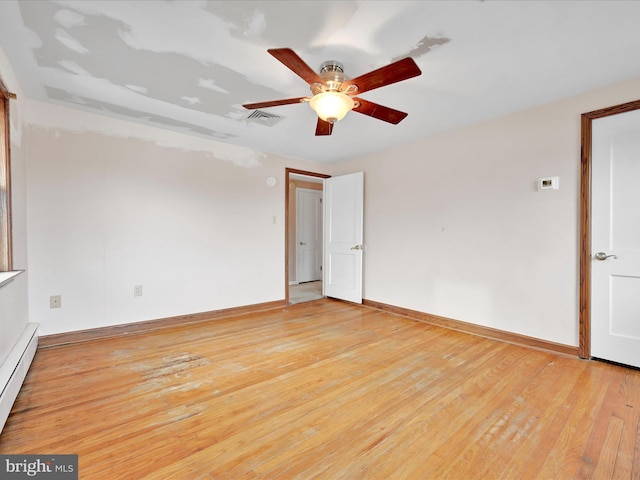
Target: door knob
357,247
303,243
603,256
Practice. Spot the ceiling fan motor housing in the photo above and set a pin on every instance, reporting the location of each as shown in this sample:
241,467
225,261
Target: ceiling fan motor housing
332,72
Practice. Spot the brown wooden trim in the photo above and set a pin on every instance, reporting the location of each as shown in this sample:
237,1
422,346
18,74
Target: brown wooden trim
288,172
585,218
6,248
80,336
585,240
479,330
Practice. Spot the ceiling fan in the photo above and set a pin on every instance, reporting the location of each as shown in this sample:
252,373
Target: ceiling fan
334,94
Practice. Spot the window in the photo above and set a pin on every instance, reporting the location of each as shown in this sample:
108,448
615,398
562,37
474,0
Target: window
5,183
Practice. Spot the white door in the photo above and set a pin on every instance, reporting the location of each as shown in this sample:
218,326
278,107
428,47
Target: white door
615,238
343,246
308,235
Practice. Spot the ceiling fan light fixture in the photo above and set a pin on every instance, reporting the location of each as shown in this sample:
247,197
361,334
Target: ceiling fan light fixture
333,94
331,106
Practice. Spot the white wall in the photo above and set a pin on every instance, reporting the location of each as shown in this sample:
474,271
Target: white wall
18,337
107,212
13,296
454,225
13,315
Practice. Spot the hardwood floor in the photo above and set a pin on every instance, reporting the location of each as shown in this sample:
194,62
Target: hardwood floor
326,390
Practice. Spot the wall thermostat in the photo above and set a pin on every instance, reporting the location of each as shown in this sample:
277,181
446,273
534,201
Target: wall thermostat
548,183
271,182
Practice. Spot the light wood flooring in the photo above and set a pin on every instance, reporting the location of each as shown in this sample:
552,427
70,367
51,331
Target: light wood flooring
326,390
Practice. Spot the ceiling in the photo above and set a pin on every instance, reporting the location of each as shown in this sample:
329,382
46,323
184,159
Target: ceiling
188,66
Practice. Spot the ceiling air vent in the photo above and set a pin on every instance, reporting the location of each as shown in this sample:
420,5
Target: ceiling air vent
263,118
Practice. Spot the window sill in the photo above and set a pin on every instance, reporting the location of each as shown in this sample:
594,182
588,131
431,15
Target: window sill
6,277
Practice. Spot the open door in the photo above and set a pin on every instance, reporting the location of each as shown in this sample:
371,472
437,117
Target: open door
343,237
615,238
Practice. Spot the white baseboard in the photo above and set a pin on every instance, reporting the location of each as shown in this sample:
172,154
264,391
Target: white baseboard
14,369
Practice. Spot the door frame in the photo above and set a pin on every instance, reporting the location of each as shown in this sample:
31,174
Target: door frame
287,246
584,348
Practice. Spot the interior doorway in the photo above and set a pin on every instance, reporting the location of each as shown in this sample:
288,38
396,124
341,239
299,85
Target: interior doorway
303,224
591,259
308,228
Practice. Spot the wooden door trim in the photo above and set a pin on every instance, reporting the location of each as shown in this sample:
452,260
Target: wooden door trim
585,219
6,234
288,172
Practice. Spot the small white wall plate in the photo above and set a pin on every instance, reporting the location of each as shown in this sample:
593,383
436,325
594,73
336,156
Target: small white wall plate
548,183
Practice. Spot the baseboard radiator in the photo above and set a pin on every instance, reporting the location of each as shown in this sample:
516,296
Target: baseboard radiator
14,370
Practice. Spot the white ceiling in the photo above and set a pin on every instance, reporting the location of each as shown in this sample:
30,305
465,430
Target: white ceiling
189,65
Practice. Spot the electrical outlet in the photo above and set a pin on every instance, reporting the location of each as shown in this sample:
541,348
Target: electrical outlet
137,290
55,301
